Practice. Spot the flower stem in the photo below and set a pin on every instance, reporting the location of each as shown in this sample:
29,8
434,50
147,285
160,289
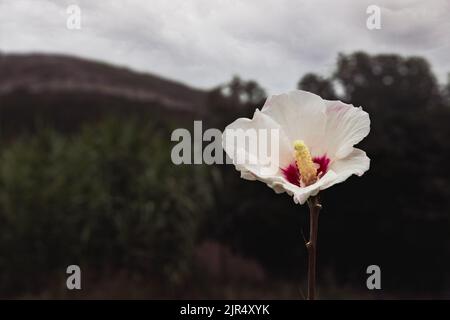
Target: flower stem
311,245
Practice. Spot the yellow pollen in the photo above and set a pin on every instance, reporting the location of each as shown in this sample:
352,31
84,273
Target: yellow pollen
305,164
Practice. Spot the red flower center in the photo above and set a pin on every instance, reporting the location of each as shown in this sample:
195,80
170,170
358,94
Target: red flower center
292,174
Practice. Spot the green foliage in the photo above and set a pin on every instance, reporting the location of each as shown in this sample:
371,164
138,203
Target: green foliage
107,197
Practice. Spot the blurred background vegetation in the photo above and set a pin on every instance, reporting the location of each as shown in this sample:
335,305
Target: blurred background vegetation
86,178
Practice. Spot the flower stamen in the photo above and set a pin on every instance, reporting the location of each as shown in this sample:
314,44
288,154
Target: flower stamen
305,164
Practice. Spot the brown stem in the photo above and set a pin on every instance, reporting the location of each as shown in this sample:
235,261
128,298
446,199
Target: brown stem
311,245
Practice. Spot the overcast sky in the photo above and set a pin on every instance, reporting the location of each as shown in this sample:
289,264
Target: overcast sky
204,42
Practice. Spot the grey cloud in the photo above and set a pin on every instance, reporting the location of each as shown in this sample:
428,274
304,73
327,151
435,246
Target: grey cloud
204,42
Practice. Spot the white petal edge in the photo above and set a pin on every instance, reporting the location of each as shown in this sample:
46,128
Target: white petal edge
356,163
303,194
279,184
346,126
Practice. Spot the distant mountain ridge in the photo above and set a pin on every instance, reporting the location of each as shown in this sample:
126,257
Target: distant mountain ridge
64,93
50,74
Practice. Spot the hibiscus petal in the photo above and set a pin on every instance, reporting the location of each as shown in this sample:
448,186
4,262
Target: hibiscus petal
356,163
345,127
300,195
301,114
254,165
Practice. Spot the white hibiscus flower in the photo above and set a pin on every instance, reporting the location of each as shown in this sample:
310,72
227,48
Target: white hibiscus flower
315,143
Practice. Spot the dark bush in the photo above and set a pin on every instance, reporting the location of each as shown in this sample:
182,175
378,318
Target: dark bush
108,197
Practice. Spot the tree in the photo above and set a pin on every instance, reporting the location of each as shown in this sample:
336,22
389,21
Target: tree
395,81
237,98
318,85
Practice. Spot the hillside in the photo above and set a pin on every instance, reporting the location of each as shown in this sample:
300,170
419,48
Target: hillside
60,89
